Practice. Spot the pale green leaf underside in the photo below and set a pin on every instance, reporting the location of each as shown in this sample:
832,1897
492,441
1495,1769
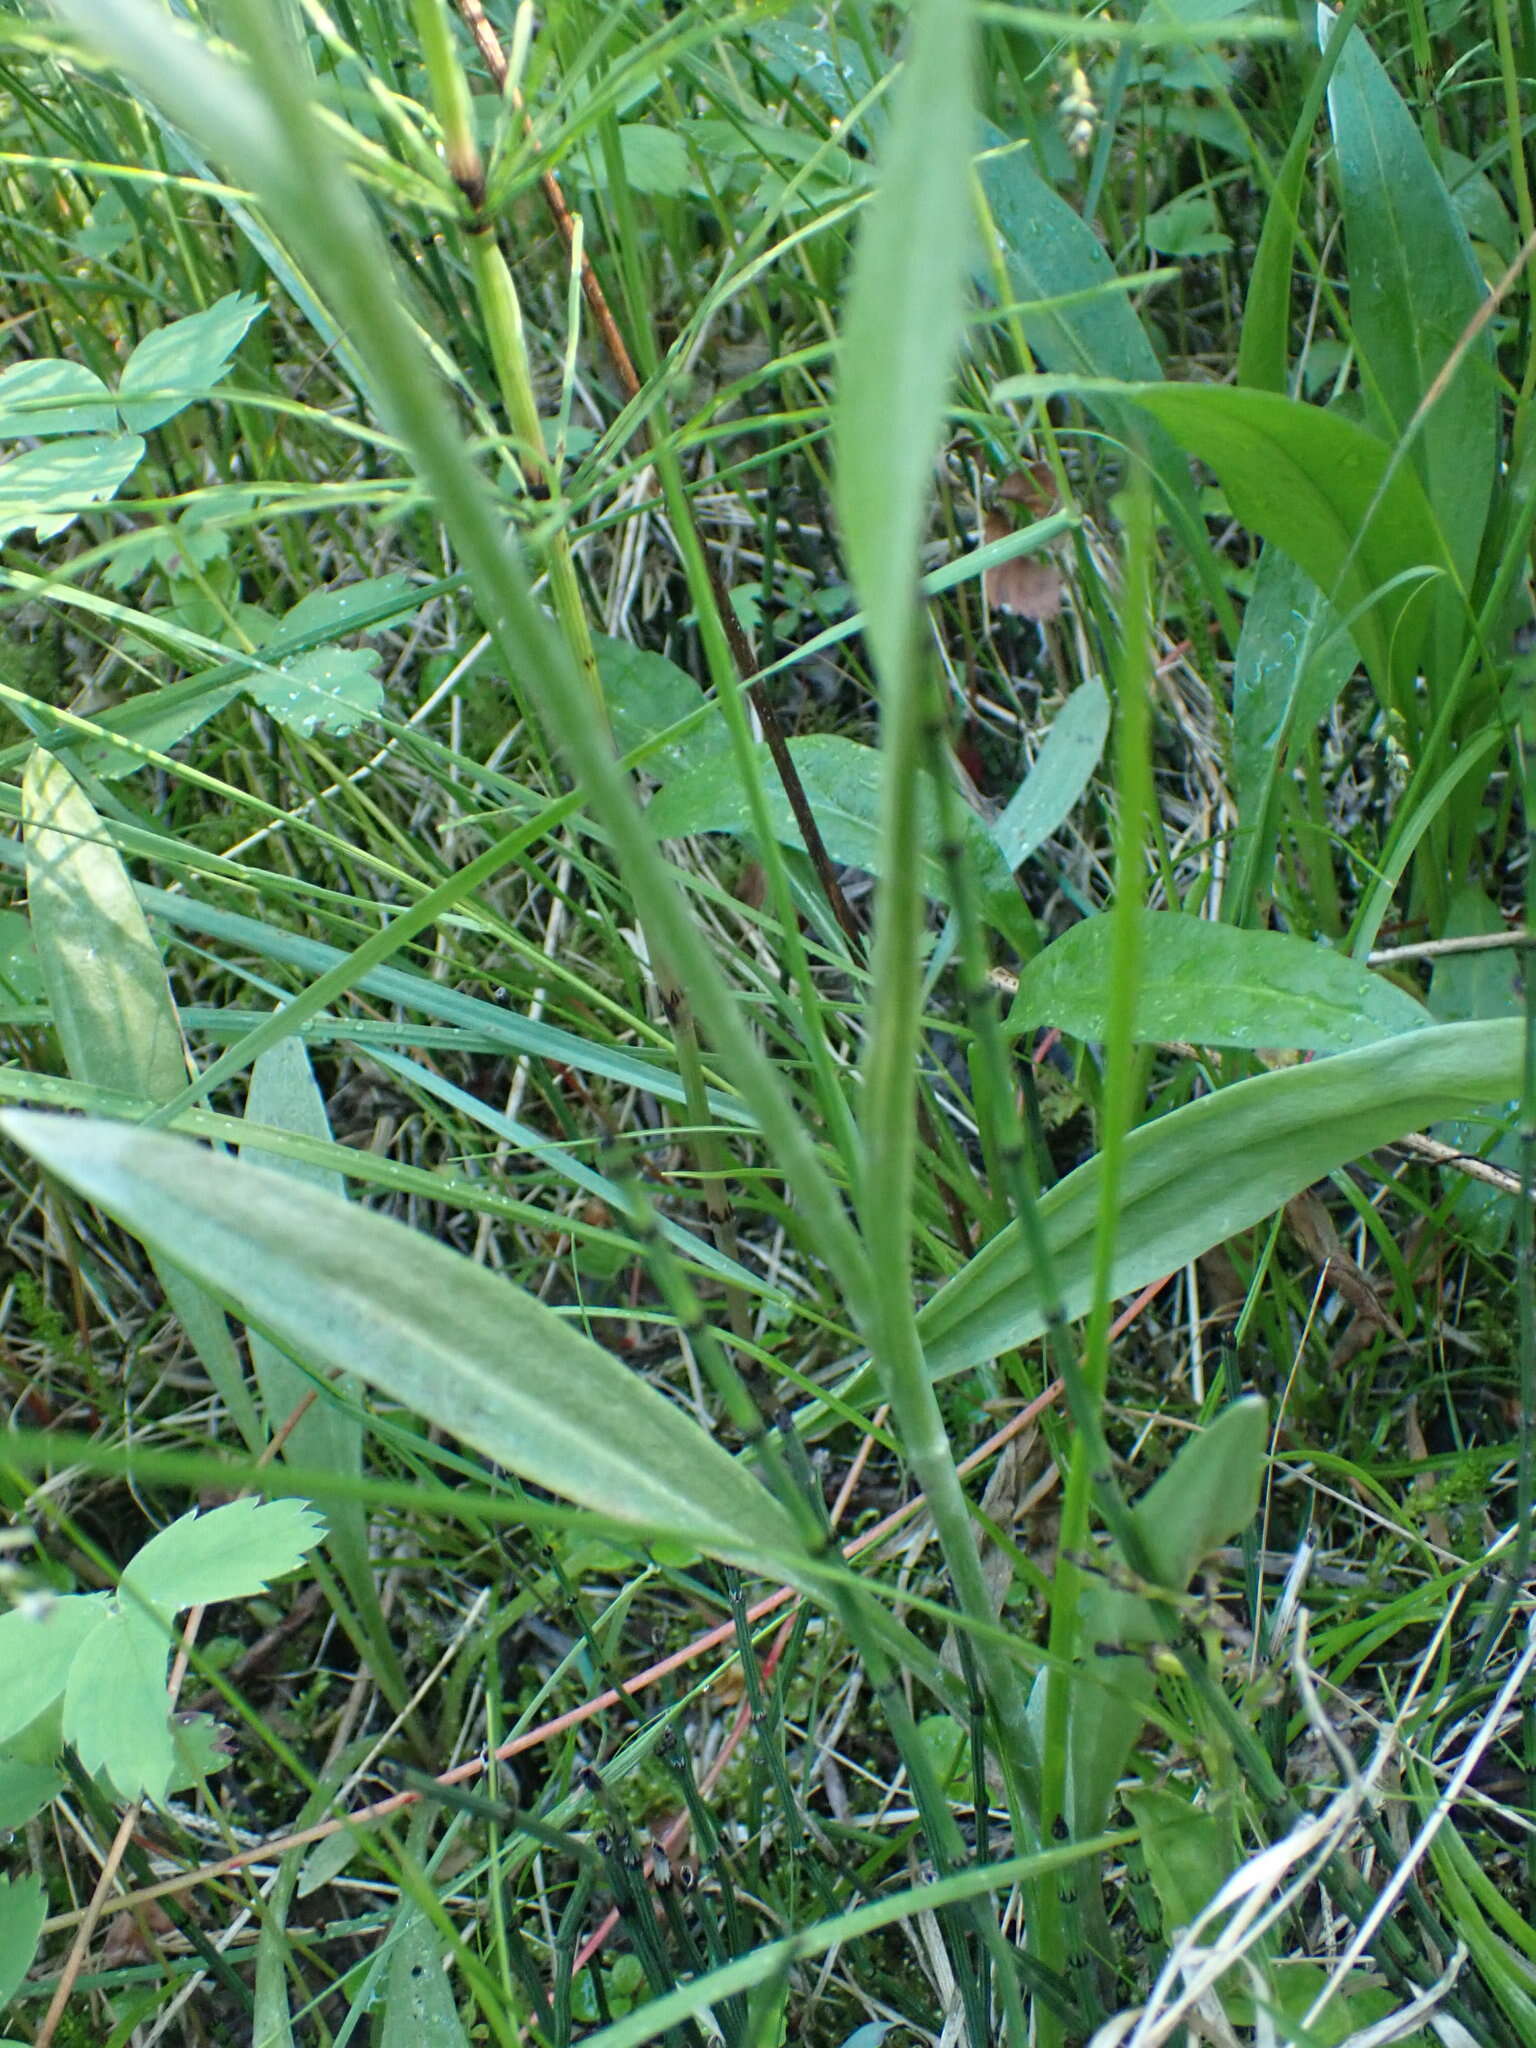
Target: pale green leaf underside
1196,1176
345,1289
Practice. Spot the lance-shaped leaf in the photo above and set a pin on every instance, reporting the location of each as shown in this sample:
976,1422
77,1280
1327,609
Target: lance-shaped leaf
1194,1177
344,1289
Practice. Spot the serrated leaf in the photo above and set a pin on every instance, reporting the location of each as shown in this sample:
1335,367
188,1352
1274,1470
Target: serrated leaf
116,1714
54,397
344,1288
226,1554
329,690
1213,985
23,1908
38,1644
46,487
183,361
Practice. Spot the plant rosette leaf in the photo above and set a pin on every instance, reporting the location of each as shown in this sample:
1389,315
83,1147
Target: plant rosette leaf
1324,490
344,1289
1192,1178
1211,984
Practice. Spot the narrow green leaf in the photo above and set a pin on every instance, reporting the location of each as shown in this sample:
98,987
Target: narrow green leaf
183,361
344,1289
112,1005
1194,1177
328,1436
52,397
905,307
1414,287
1292,659
226,1554
1214,985
419,2008
106,985
1063,769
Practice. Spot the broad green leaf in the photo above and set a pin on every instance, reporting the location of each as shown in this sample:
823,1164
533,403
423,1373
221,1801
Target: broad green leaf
655,160
53,397
182,362
23,1909
646,695
803,50
1214,985
226,1554
1053,254
25,1789
1208,1494
112,1005
116,1712
1316,485
901,331
841,778
1186,227
46,487
329,690
324,613
1414,288
1192,1178
37,1647
345,1289
1188,1851
1293,658
1062,771
419,2007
